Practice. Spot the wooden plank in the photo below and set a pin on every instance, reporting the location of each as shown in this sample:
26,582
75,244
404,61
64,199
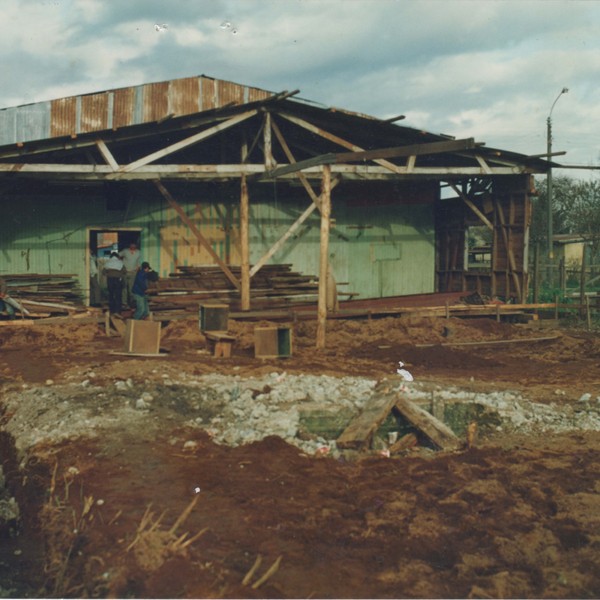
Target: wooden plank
439,433
142,337
359,433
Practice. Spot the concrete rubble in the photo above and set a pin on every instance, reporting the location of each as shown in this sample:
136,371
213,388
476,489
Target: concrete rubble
238,410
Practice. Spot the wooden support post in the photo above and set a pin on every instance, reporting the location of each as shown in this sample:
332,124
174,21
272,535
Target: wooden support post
268,148
203,241
587,313
582,283
536,273
562,276
509,252
324,256
245,243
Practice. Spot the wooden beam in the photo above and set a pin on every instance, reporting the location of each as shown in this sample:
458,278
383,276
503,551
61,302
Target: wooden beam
472,206
245,243
483,164
359,432
191,171
107,155
268,149
324,257
509,252
203,241
193,139
439,433
336,139
281,241
290,157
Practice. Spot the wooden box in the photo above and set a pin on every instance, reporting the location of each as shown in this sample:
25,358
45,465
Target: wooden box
272,342
214,317
142,337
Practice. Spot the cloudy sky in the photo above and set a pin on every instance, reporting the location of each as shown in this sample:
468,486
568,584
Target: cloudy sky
489,69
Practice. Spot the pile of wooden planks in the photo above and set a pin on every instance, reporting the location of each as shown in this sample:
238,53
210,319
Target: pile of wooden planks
46,295
274,286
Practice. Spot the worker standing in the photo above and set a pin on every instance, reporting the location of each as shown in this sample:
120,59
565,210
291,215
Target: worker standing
131,259
140,287
114,269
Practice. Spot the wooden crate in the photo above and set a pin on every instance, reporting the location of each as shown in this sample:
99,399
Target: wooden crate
142,337
214,317
272,342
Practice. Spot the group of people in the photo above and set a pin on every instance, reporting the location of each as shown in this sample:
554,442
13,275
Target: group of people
127,280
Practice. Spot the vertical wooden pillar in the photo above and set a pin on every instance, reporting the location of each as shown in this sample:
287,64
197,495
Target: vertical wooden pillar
324,256
245,243
268,147
582,282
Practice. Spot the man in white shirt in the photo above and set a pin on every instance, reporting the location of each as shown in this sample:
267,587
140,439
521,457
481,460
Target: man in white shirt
131,258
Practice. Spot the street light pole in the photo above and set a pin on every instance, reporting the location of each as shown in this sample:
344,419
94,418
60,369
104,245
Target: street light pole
549,183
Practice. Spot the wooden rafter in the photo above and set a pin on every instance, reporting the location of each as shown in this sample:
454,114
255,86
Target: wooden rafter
292,160
335,139
203,241
411,151
107,155
193,139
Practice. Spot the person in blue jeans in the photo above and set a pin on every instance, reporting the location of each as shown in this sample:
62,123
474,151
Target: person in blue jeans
140,286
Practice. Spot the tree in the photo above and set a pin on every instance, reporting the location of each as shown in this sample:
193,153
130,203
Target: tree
575,210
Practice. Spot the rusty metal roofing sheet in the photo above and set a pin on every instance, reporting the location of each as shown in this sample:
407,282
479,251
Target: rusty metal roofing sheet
121,107
63,117
94,115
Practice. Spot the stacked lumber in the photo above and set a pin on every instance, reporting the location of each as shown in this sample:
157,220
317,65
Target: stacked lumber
274,286
46,295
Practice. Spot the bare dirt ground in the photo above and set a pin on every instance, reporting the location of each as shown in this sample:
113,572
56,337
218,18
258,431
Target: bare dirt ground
151,507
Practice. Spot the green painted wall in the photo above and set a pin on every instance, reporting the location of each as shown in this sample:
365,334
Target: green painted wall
380,249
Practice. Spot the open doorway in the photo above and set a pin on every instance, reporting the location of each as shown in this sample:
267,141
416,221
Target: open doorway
100,243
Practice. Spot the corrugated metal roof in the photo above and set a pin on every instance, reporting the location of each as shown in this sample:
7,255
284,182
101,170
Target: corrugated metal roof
121,107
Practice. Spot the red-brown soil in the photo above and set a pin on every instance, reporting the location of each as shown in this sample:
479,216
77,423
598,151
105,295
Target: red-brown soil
514,516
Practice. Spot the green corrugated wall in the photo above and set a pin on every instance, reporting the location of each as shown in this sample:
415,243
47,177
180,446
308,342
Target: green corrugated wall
379,250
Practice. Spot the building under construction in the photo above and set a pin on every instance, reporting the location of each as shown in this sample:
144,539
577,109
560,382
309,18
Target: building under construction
204,172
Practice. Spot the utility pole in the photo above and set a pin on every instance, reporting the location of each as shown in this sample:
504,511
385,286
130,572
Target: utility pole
549,185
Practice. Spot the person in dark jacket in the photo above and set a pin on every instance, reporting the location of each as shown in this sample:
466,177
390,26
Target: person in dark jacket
114,269
139,289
